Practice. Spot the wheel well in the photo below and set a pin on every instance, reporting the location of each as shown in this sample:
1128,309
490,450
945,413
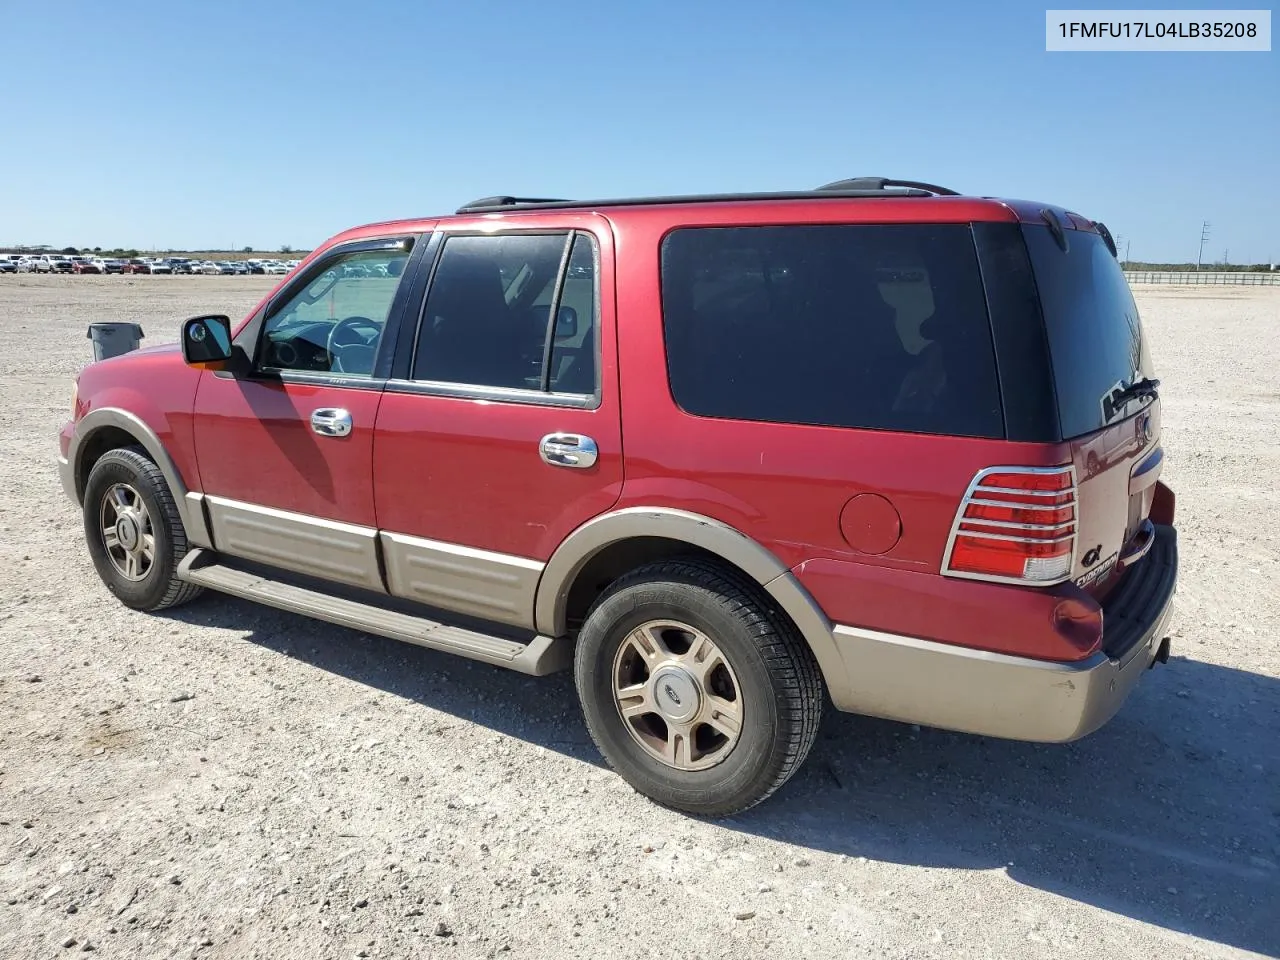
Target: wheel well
95,445
621,558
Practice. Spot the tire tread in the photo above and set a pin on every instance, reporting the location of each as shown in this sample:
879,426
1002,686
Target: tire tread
177,592
793,670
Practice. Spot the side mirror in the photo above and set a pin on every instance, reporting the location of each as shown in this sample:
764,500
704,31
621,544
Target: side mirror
206,339
567,323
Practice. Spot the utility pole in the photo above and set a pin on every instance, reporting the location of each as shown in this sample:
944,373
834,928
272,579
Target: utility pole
1204,238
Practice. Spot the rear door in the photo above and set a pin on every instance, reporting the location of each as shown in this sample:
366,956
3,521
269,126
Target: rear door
1097,348
499,432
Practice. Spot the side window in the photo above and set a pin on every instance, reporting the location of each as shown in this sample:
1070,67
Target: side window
334,324
487,317
872,326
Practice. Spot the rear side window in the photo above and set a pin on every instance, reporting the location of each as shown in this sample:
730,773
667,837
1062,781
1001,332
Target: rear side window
880,326
488,318
1094,331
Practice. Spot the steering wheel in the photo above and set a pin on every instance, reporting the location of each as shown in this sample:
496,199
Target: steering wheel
350,350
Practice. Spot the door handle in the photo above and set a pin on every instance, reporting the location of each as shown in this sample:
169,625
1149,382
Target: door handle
331,422
568,450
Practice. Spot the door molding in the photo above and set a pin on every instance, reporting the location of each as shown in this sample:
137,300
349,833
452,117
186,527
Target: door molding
464,580
328,549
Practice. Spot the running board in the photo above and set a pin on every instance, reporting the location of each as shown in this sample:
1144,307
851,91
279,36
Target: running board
540,656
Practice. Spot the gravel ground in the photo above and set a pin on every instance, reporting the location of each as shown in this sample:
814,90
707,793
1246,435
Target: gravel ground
229,781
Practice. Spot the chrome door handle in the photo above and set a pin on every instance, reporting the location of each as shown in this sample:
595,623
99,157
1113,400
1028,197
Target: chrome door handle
568,450
331,422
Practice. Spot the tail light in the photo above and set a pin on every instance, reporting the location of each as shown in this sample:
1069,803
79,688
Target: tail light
1015,525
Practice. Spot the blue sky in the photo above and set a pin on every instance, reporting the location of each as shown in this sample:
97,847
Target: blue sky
268,123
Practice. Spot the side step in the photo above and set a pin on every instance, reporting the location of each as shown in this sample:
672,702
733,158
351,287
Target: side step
540,656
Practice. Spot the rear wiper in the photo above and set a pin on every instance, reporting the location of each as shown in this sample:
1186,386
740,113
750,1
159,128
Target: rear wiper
1146,387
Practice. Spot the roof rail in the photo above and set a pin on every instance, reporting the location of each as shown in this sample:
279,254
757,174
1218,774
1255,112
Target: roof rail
488,203
880,183
501,204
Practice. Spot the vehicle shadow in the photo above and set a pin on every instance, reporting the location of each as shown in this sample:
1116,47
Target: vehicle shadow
1170,814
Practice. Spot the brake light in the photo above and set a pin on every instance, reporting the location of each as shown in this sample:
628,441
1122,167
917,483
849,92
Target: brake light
1015,525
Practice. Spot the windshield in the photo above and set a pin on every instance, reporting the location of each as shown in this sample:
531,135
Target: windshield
1096,344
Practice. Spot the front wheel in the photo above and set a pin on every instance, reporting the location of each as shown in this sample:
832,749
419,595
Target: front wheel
696,690
134,531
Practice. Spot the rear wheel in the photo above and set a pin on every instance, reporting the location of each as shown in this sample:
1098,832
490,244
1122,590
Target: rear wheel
696,690
134,531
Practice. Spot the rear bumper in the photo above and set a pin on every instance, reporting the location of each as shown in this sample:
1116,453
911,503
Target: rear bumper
1017,698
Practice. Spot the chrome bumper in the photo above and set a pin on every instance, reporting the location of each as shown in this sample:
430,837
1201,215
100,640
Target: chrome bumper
1016,698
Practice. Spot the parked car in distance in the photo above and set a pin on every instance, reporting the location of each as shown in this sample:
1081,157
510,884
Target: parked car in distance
62,264
8,266
276,269
113,266
82,265
209,268
728,458
137,265
34,264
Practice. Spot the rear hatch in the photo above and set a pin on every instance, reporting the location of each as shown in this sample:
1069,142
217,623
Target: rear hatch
1108,411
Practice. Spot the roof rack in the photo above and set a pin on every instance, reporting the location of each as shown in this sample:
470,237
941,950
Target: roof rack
855,188
485,203
881,183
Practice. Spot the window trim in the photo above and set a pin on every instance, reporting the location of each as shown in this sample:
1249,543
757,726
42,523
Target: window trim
553,311
472,391
386,347
401,379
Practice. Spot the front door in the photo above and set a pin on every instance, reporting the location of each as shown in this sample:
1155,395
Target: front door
500,433
285,453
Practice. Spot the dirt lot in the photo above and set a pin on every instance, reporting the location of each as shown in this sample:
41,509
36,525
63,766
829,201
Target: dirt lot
228,781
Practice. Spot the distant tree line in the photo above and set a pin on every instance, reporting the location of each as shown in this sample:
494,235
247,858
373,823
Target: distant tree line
1191,267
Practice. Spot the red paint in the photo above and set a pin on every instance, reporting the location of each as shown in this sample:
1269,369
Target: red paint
156,387
468,472
255,444
985,616
870,524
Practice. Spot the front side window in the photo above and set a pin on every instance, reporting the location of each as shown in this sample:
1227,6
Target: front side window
335,323
871,326
487,320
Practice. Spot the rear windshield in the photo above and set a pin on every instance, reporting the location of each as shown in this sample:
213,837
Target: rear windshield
1095,336
875,326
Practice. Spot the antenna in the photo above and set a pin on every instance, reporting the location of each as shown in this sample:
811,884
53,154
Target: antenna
1204,238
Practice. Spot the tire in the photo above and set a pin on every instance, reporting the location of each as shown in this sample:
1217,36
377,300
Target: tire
765,668
131,479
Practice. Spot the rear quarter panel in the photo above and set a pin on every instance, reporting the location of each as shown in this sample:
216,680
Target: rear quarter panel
785,486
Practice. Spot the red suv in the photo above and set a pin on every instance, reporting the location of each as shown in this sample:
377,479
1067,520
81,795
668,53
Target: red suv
726,456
